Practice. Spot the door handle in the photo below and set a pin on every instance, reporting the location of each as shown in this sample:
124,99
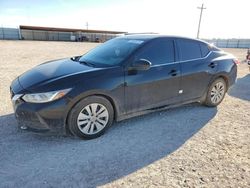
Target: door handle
212,65
173,72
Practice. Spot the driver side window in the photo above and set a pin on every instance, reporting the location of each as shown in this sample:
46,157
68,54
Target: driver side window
158,51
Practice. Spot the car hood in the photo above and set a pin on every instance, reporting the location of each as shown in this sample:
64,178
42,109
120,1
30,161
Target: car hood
51,71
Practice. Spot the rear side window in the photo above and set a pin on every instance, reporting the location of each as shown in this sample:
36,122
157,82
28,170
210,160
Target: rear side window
159,51
189,49
204,49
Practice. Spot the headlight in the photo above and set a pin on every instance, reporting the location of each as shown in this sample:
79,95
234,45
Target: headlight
45,97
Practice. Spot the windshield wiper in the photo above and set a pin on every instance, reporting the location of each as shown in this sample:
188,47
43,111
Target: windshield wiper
76,58
87,63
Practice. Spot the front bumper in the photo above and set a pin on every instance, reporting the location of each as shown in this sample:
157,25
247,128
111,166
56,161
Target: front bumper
43,116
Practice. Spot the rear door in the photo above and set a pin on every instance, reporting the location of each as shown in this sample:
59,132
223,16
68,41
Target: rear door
196,66
160,84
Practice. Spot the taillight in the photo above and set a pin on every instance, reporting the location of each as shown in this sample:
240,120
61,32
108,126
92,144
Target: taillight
236,61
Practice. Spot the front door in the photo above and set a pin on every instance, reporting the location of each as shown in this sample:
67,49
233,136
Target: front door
158,86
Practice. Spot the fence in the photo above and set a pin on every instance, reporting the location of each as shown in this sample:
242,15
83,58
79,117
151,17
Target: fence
26,34
64,36
9,33
230,43
45,35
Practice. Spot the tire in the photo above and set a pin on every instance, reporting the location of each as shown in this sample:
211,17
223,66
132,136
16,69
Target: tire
216,92
91,117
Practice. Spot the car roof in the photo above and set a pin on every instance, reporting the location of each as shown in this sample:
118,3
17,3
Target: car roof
147,37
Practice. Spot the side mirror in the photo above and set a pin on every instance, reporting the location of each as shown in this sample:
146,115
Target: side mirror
141,65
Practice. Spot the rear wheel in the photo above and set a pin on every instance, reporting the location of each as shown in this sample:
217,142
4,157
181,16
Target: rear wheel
91,117
216,92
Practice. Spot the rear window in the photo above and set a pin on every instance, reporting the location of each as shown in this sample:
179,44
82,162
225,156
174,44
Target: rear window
214,48
204,49
189,49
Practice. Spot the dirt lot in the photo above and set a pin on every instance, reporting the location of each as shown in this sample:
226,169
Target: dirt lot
189,146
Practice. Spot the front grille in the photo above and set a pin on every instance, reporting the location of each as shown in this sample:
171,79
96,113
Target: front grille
27,116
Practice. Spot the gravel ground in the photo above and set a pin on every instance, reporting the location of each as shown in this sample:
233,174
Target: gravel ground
189,146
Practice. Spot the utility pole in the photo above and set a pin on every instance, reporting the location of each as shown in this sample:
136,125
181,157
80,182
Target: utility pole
87,25
201,8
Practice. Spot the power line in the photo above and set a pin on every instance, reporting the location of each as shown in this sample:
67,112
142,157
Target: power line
201,8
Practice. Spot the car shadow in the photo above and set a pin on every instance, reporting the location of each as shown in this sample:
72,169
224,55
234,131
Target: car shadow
241,89
28,159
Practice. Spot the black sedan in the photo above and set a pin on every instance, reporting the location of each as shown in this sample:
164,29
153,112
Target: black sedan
124,77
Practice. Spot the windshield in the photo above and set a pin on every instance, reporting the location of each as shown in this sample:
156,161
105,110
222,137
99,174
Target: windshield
112,52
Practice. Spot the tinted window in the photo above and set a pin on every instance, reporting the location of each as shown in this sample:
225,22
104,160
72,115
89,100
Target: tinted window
159,51
189,49
204,49
111,52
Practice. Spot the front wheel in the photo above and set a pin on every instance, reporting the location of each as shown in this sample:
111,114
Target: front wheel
216,92
91,117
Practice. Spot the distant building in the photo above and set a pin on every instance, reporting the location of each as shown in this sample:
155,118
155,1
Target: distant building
66,34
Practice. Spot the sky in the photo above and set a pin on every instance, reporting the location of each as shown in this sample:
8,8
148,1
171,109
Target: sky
220,19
